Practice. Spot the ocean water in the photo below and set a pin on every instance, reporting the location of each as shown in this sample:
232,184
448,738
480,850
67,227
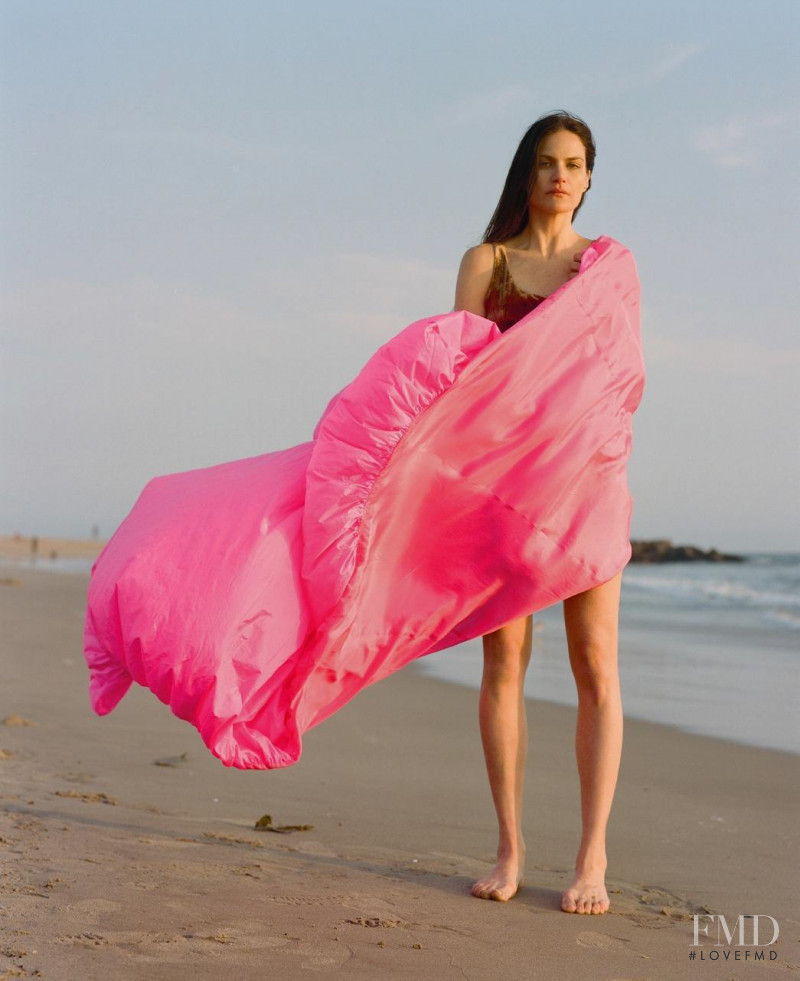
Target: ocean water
712,648
46,564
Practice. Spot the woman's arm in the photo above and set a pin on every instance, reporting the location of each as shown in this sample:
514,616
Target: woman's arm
474,276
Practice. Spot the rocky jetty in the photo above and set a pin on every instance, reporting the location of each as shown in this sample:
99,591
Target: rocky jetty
662,550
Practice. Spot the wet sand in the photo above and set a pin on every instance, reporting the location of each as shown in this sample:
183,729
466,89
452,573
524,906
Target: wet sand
116,867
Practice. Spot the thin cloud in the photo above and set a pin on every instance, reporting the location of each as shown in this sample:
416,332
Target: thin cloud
730,143
676,55
510,99
633,71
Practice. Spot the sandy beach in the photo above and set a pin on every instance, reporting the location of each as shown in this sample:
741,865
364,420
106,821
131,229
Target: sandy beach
130,852
22,547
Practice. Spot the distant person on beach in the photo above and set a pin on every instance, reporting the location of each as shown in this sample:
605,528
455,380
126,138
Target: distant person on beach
530,249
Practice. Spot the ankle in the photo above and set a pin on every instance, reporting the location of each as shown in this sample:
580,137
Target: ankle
591,863
510,850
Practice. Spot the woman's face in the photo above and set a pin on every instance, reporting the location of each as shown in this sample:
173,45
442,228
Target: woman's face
560,167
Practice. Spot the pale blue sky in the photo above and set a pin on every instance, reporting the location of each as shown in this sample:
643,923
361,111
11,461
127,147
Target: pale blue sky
214,213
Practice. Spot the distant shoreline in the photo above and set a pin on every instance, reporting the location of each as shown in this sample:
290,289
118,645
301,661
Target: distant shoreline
21,547
662,550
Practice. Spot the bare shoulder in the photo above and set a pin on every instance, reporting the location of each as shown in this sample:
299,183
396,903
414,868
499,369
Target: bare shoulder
474,276
479,259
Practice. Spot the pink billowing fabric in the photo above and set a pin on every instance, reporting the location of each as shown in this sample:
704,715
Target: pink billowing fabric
465,478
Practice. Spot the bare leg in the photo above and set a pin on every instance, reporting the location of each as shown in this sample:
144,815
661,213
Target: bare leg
591,620
504,733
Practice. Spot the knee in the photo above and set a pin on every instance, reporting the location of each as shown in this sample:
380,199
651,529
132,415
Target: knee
506,654
503,668
595,668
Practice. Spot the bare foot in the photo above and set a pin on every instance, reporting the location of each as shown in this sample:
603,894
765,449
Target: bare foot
504,880
587,894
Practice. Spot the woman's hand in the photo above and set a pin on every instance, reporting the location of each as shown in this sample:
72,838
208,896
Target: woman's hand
574,269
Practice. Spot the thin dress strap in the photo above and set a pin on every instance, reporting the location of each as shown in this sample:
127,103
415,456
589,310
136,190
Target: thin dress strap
500,277
501,260
505,284
505,303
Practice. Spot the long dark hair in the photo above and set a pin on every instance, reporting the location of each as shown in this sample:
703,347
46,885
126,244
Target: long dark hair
511,214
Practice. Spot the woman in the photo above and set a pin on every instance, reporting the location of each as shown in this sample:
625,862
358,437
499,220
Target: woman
530,249
460,482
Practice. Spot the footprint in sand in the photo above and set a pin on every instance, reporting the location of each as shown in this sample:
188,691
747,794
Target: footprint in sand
377,921
85,939
92,909
10,880
93,797
308,900
320,957
316,954
29,823
75,776
651,906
